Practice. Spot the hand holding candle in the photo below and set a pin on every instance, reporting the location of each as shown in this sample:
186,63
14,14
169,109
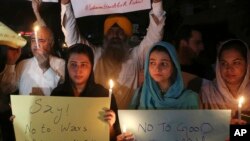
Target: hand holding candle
241,100
36,28
111,85
124,130
125,135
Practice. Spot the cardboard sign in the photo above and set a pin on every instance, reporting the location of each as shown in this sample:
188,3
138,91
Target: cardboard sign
99,7
48,118
176,125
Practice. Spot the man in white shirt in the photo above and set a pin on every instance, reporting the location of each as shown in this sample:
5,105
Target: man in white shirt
38,75
117,60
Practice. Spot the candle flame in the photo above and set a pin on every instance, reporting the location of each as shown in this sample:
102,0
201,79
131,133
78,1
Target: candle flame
64,45
36,28
124,129
111,83
241,100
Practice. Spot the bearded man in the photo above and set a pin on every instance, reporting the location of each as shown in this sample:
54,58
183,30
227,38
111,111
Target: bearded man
189,45
117,60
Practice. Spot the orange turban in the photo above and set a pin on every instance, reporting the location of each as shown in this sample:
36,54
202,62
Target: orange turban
120,20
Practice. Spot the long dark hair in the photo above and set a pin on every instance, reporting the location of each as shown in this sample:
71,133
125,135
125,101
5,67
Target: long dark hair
80,49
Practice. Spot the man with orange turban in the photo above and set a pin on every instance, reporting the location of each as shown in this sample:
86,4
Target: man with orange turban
117,60
121,21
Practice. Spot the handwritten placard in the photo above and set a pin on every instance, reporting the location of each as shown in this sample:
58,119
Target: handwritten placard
176,125
99,7
48,118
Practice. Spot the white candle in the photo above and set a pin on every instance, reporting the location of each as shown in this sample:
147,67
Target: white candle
111,85
241,100
36,28
124,129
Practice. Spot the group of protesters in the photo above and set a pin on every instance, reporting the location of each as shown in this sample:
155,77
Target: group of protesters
171,79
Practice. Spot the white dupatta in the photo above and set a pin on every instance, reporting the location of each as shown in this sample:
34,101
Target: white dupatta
216,95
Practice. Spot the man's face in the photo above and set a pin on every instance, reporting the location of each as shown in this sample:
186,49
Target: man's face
116,35
45,42
115,44
195,43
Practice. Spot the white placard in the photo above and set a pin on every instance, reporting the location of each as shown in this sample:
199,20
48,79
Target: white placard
99,7
176,125
53,118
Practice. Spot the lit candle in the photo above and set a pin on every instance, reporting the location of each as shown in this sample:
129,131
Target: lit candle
36,28
124,129
111,84
241,100
64,45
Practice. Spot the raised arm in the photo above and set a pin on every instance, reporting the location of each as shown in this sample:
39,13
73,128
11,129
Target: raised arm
69,26
155,29
9,77
36,4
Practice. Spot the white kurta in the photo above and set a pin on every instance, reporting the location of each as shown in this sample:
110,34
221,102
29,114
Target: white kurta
29,78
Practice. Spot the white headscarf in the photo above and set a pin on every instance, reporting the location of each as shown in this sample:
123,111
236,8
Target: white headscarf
216,95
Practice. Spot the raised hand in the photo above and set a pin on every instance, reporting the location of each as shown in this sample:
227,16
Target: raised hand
13,55
110,117
235,121
36,4
43,59
155,18
127,136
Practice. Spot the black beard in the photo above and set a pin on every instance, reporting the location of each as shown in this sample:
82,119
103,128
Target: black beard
116,50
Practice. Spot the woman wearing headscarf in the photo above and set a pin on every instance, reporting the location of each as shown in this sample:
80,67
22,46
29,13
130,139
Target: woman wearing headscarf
79,82
232,78
163,86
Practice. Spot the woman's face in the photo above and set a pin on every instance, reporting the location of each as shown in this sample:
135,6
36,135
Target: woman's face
160,66
79,68
233,67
